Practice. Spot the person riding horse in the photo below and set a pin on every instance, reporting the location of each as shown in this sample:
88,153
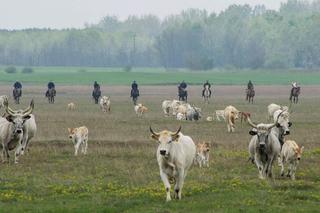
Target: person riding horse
134,91
207,84
182,91
50,86
295,92
17,85
17,91
96,93
250,85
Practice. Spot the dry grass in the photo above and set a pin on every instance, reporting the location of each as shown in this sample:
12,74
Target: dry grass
120,172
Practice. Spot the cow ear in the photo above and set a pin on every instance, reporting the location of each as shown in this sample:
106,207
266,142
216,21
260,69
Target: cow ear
155,137
278,125
175,137
251,132
289,124
9,118
301,149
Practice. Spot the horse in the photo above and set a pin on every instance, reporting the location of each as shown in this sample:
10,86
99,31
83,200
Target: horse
206,94
183,94
50,95
96,94
249,95
295,92
135,94
17,92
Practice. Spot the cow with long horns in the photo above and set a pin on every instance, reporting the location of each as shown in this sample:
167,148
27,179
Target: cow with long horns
175,155
264,146
16,130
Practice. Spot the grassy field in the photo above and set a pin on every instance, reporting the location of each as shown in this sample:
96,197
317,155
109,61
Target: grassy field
120,172
157,76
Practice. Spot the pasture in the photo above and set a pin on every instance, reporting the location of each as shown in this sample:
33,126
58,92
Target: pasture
120,171
157,76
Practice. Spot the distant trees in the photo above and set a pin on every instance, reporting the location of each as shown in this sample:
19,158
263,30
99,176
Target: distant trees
240,36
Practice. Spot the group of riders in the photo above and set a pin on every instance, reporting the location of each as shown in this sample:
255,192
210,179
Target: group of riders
134,94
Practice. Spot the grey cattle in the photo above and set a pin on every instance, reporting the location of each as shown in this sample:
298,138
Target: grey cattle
13,130
264,146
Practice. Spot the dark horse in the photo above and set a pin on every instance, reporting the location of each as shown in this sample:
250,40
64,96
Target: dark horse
17,92
96,94
295,92
250,94
183,94
50,95
134,94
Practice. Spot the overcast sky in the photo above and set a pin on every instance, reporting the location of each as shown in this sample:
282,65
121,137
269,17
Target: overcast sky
20,14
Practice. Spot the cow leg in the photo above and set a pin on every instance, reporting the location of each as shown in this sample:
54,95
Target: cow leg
166,183
85,146
260,167
179,184
76,147
5,153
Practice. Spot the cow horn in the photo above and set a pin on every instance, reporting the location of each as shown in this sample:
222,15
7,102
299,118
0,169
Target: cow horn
154,133
275,123
177,132
251,123
29,109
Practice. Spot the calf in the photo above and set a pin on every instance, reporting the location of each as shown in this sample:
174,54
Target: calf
140,109
71,106
202,156
105,104
231,114
291,154
79,138
219,114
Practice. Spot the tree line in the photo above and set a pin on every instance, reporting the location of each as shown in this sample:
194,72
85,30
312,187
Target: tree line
239,37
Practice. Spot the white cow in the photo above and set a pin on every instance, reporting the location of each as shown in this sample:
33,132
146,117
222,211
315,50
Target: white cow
231,114
220,114
29,126
264,146
168,105
16,130
3,99
175,155
274,107
180,116
105,104
291,154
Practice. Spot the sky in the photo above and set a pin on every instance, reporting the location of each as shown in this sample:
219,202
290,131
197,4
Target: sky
59,14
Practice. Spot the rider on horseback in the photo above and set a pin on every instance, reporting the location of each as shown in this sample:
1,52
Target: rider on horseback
250,85
207,84
17,85
134,89
50,86
96,85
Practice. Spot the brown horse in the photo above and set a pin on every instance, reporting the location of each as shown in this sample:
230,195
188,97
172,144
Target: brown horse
250,93
294,95
17,92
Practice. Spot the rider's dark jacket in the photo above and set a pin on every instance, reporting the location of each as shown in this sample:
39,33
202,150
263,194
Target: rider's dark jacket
17,85
51,85
183,85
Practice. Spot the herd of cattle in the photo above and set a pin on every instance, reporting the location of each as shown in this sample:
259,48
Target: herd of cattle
176,151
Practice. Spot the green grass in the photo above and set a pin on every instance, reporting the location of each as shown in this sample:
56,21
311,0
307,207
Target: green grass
157,76
120,172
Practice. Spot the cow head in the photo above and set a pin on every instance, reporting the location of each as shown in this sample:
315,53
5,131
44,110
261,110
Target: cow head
72,132
203,148
283,121
262,132
165,139
18,117
298,152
